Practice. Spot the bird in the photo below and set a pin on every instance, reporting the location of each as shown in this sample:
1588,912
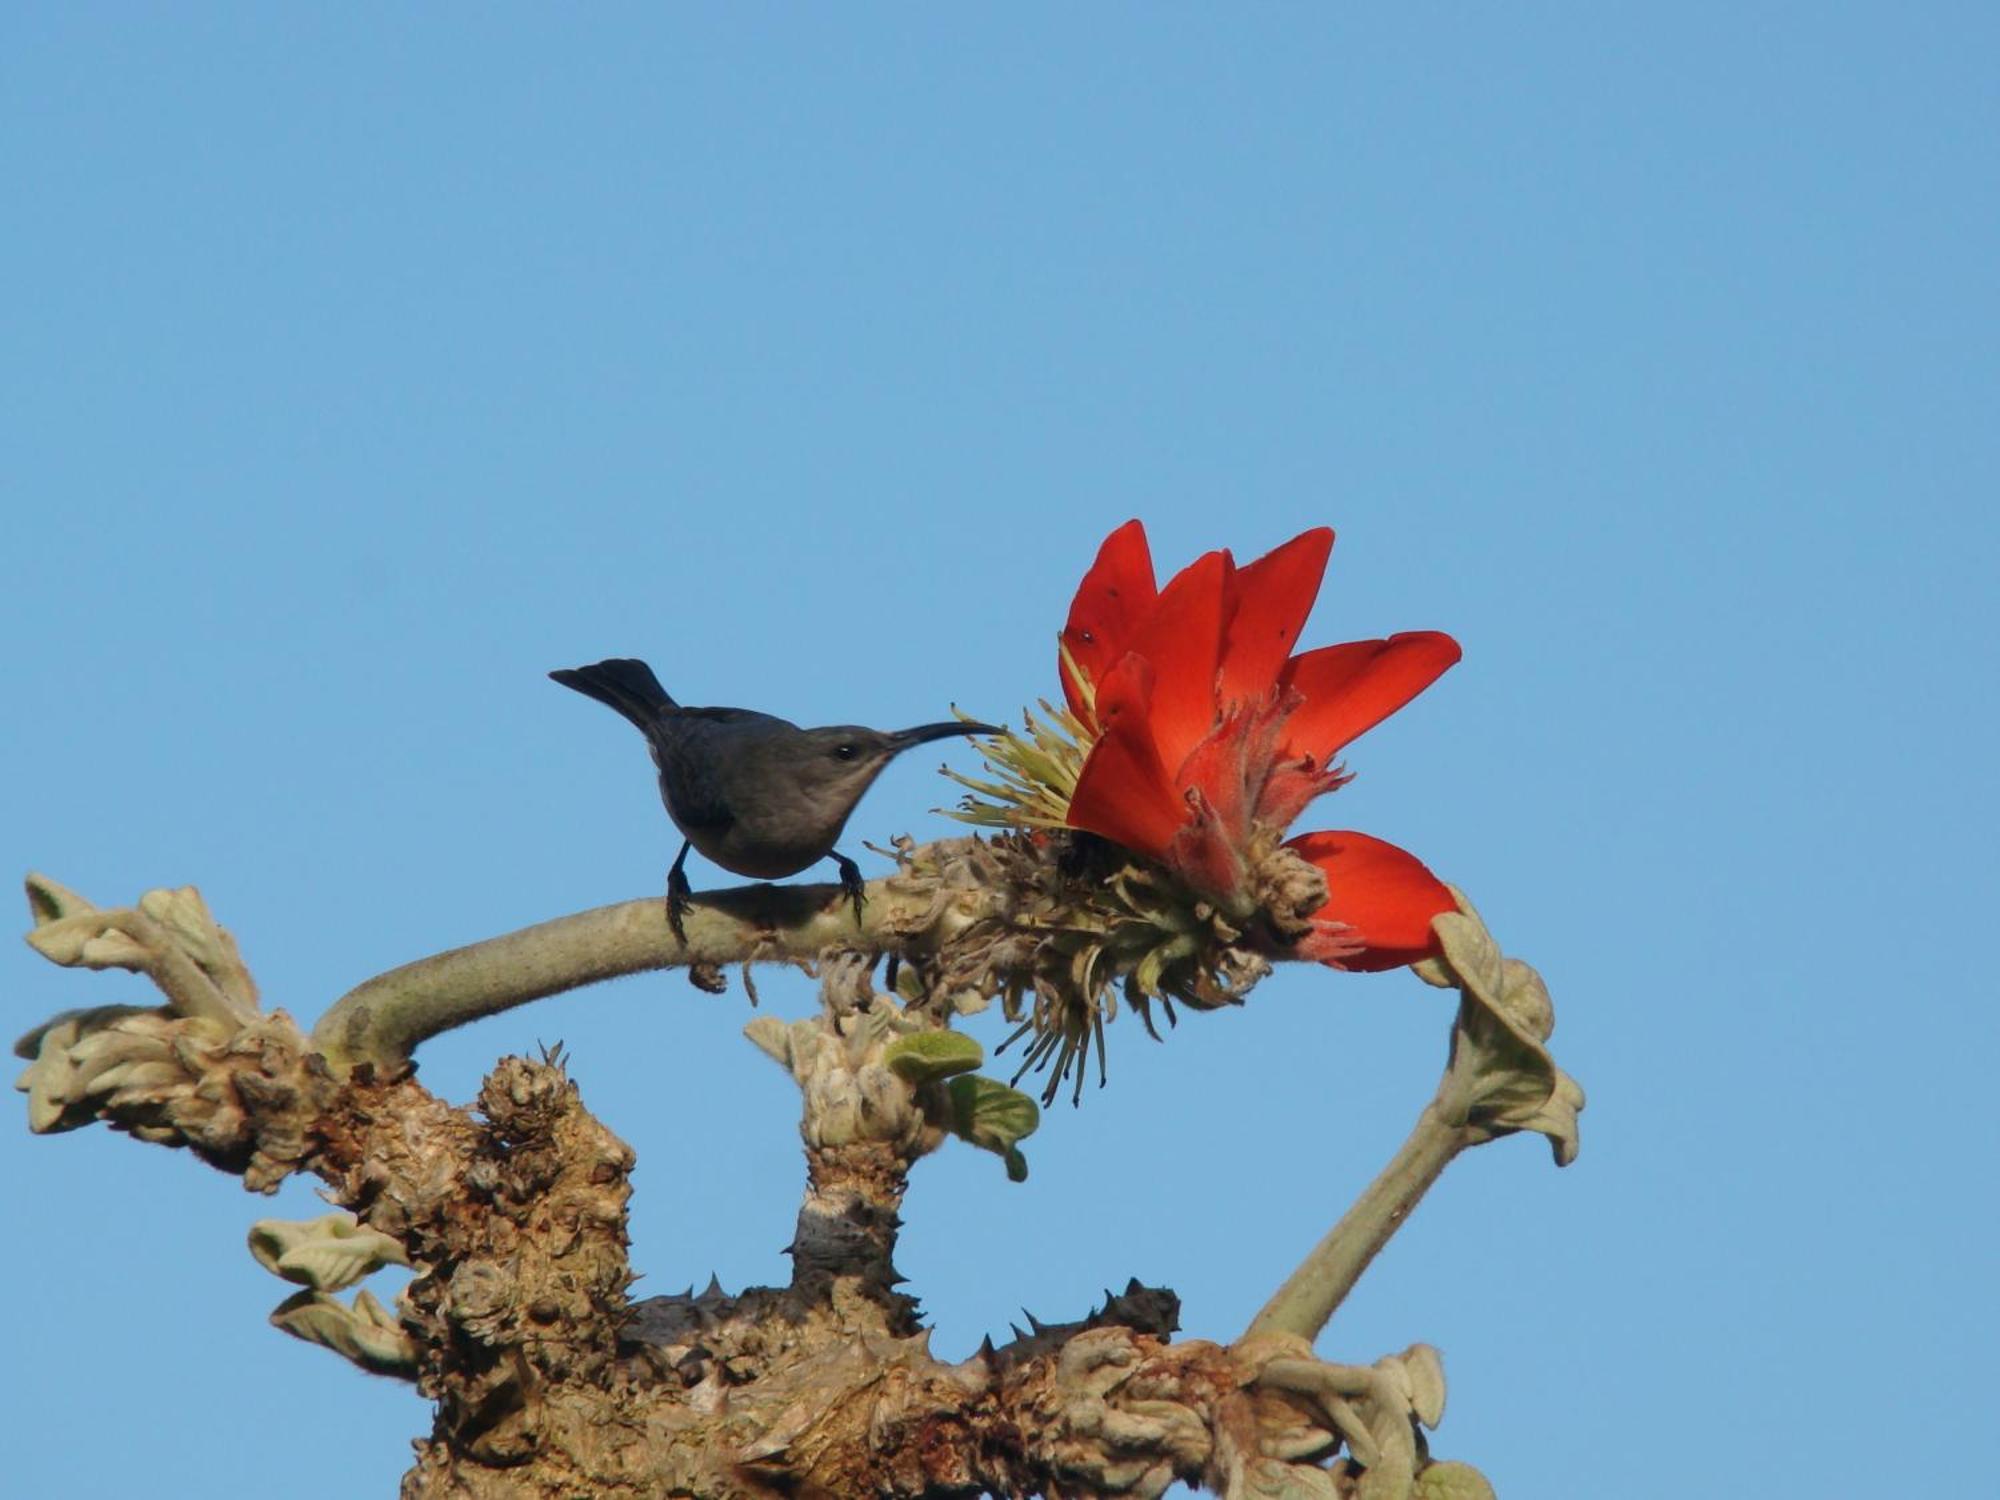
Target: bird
755,794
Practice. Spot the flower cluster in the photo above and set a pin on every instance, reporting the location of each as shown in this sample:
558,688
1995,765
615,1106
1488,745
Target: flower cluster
1211,735
1192,735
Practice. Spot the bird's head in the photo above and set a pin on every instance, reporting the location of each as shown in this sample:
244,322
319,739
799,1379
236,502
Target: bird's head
838,763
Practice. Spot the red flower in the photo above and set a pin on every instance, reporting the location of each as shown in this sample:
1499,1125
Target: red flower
1380,901
1210,732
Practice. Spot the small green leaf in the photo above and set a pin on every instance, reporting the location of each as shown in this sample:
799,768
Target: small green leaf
994,1118
1470,950
1525,999
773,1038
326,1254
48,901
60,939
1557,1120
926,1056
1501,1064
137,1079
1435,971
366,1334
1423,1373
74,1024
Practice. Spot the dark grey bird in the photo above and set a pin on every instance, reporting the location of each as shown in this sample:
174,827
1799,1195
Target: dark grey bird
754,793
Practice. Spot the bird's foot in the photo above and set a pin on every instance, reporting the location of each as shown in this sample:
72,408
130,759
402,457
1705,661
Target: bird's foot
850,881
679,894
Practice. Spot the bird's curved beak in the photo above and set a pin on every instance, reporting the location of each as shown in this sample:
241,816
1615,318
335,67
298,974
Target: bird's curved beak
923,734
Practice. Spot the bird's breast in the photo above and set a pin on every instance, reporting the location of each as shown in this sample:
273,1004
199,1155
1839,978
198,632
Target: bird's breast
759,858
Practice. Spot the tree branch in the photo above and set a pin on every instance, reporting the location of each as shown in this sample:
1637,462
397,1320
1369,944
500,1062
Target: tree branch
1499,1079
548,1384
1312,1293
383,1020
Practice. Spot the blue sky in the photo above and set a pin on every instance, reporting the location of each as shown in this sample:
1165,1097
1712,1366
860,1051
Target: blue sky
358,367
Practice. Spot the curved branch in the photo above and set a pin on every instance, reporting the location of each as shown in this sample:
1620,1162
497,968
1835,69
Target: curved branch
1316,1289
1499,1079
385,1019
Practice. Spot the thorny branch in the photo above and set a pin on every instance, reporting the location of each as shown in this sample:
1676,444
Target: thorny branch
547,1380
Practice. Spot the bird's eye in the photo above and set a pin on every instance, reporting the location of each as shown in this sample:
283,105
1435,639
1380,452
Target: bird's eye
844,752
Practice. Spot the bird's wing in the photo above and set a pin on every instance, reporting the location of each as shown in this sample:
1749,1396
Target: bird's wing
697,753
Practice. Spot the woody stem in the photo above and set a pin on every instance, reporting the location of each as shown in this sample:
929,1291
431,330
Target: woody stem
383,1020
1316,1289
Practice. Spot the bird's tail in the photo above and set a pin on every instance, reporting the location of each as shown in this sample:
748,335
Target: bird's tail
624,683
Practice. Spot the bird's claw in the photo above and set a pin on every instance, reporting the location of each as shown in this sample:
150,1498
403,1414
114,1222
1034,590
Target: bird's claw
850,882
679,894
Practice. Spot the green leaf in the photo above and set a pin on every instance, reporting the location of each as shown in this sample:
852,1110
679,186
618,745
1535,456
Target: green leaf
1501,1065
73,1024
1423,1380
773,1037
366,1334
49,901
927,1056
1557,1120
995,1118
326,1254
1470,950
1435,971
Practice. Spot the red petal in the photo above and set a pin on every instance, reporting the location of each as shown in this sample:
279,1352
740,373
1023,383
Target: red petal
1384,893
1118,797
1125,694
1115,596
1349,689
1123,791
1182,638
1123,794
1274,595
